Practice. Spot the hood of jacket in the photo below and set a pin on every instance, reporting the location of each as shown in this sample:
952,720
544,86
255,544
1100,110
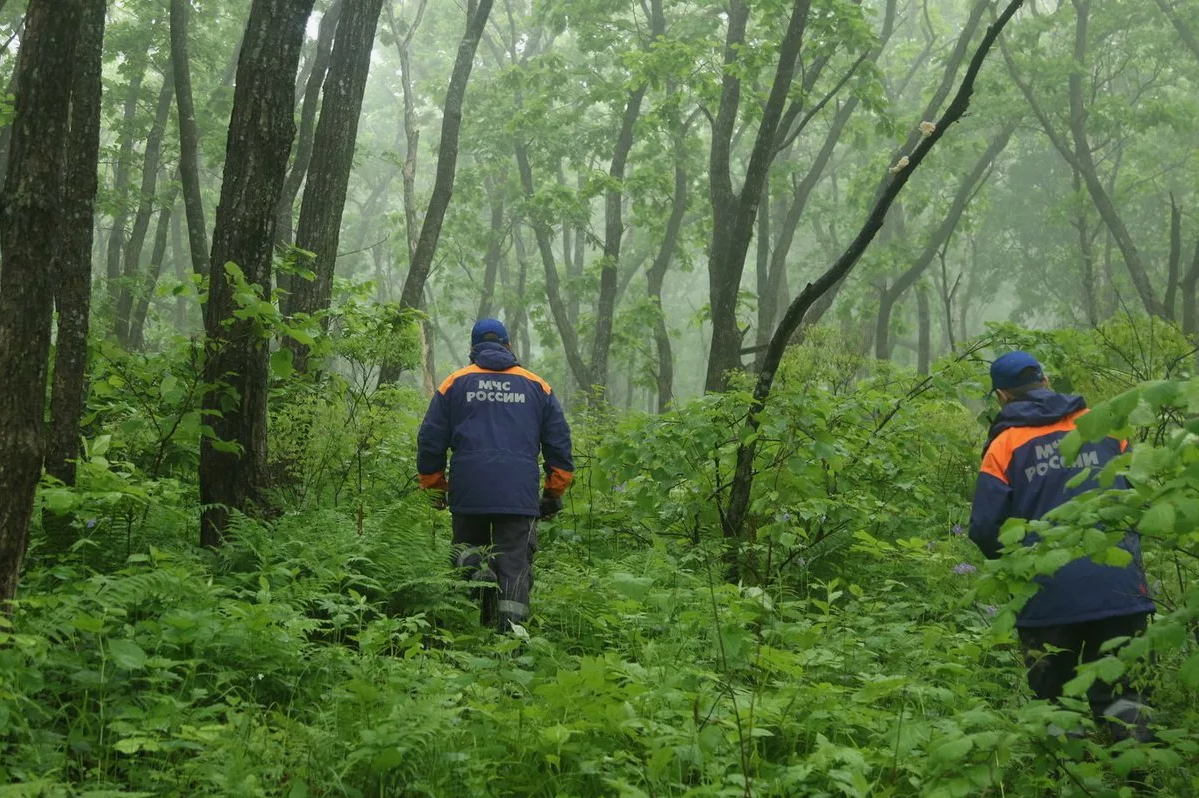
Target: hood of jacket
1040,408
493,356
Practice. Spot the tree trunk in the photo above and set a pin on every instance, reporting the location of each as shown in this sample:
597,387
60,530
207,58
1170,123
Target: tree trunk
177,257
966,190
447,157
553,290
1190,311
1086,251
120,183
613,235
319,231
733,519
924,322
166,216
317,75
145,210
261,131
1175,261
189,138
73,275
734,213
31,226
495,241
657,275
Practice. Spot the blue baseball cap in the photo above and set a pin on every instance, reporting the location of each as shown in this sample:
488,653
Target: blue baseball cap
1012,371
488,330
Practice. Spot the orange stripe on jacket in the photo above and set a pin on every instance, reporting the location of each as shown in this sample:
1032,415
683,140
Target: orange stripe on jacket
473,369
999,453
557,481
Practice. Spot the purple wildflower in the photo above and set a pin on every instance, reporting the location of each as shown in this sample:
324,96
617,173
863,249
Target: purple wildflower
787,517
989,610
963,568
930,545
91,523
957,529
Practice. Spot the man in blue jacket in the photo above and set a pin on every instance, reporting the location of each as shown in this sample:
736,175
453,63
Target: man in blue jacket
1083,604
497,418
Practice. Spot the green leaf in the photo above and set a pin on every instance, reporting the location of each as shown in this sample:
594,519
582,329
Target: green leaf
1158,520
126,654
60,500
281,363
1188,674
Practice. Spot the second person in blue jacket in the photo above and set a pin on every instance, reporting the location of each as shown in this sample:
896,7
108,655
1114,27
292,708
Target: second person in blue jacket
1083,604
498,419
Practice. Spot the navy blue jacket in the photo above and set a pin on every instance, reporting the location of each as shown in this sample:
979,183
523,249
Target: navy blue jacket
1024,476
497,418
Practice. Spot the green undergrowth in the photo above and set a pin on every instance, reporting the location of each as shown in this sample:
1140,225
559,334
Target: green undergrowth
863,648
309,659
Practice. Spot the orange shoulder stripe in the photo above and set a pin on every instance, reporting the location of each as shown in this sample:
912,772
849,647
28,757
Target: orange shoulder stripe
523,372
999,453
450,380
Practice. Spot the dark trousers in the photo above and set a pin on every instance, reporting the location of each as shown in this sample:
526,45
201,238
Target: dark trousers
1118,706
498,549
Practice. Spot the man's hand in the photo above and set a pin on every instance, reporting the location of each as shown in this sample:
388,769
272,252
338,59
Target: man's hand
550,506
437,499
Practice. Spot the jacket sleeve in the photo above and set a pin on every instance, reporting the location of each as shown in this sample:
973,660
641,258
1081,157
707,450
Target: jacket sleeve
992,506
432,442
555,448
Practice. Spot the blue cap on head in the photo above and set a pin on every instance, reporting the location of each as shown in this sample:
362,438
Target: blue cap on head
488,330
1013,371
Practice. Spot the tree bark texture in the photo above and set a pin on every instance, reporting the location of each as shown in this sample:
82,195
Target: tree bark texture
733,213
305,137
1190,310
924,336
328,181
189,138
261,131
31,222
137,323
145,211
613,236
737,508
73,266
120,182
657,275
447,157
1174,264
495,242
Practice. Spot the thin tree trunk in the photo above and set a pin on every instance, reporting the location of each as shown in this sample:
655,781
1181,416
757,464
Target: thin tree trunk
966,190
1190,311
553,291
145,210
261,132
120,183
447,157
31,226
737,508
657,275
189,139
613,236
495,242
1174,264
734,213
177,257
73,266
1086,250
137,324
924,324
1086,163
328,181
317,75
